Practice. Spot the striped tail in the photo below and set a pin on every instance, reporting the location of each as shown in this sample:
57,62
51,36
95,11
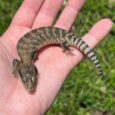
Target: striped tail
83,47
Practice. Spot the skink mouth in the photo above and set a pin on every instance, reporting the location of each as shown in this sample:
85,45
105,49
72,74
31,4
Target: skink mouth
30,88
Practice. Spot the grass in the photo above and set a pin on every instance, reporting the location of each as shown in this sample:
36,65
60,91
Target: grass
83,92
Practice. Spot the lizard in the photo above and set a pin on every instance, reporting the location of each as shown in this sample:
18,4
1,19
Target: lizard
36,39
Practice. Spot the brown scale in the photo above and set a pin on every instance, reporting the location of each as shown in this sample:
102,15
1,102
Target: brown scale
38,38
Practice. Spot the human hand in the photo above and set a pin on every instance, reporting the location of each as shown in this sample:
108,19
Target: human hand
53,64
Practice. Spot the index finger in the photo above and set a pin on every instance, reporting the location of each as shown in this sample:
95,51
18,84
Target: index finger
27,13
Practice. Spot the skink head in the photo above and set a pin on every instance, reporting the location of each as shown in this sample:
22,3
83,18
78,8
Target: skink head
28,75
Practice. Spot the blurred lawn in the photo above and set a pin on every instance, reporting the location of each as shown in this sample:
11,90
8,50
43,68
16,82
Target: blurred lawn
83,92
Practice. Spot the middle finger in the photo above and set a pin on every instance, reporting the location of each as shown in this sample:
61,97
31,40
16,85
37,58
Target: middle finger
47,13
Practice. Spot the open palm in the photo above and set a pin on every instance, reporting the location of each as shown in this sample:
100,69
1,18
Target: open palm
53,64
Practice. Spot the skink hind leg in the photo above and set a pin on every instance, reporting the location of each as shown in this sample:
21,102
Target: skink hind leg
16,67
66,48
34,56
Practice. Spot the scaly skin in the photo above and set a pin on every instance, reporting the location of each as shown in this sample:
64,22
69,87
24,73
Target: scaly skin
38,38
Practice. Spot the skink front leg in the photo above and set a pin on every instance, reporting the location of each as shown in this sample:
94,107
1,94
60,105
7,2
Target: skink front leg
16,67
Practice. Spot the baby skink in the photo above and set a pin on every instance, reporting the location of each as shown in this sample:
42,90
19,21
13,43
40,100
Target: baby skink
31,42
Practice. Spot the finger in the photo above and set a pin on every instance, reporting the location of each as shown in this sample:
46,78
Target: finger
27,13
47,13
98,32
69,14
23,20
92,38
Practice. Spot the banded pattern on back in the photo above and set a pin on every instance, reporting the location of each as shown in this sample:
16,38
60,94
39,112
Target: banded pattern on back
83,47
41,37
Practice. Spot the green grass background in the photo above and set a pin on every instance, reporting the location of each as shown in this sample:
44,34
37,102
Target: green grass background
83,92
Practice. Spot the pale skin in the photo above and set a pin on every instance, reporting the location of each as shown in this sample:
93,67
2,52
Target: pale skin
53,64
